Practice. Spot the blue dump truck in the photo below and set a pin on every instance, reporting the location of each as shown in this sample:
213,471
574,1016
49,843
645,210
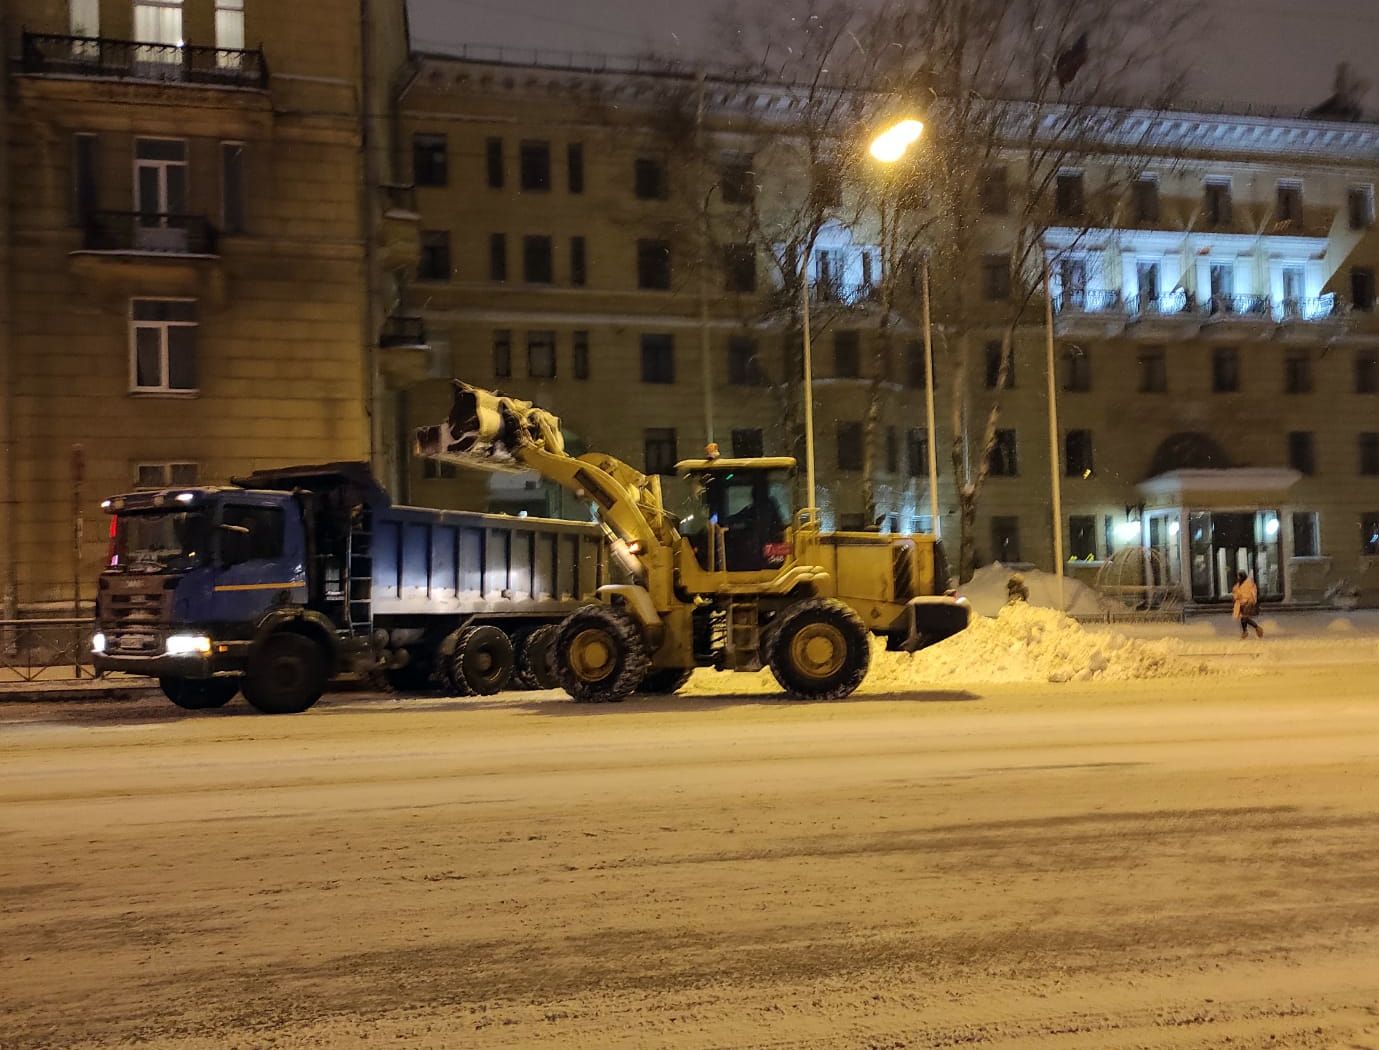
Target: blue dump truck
290,577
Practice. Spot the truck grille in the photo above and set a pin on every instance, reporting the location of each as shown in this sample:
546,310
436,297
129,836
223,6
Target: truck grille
134,612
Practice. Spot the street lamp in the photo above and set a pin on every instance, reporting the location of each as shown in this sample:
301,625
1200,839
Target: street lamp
888,147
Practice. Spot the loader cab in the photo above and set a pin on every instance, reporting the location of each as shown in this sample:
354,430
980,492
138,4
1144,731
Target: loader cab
744,512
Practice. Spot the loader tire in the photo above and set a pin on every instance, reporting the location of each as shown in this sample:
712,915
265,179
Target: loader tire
819,650
600,655
286,675
665,681
482,661
534,657
199,694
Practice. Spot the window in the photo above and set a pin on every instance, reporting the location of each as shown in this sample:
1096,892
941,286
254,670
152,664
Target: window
497,257
574,167
160,187
1082,537
1108,534
1005,538
828,274
165,475
534,163
1360,207
232,200
922,524
747,443
1077,370
536,259
493,155
1225,370
1362,287
917,449
157,22
1369,453
850,438
995,200
1302,452
1297,372
736,179
828,185
892,452
1306,535
229,28
541,355
1369,532
744,366
660,450
1217,201
261,538
649,179
653,264
579,273
429,160
1068,198
435,256
163,345
502,353
658,358
433,468
847,354
85,165
915,370
1222,277
84,17
580,355
993,367
1145,198
1366,372
739,268
868,278
1003,461
1288,206
1153,371
1147,284
1077,454
996,277
1072,276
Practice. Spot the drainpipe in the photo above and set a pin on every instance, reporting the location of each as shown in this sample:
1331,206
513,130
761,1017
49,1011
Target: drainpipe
9,451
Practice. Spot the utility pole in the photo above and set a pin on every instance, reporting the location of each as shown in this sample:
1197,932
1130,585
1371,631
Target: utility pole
932,443
1055,478
9,451
705,350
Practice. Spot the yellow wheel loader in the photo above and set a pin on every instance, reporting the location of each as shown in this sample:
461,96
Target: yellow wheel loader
742,584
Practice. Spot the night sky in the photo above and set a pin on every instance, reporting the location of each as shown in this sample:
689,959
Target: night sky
1261,52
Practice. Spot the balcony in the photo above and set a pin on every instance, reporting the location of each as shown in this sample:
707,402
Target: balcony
127,253
1089,314
1237,317
1171,316
50,54
1307,320
404,354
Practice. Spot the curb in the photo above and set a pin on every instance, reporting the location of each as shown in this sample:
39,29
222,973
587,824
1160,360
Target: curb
44,692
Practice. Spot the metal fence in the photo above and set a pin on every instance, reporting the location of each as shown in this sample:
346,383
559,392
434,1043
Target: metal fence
55,650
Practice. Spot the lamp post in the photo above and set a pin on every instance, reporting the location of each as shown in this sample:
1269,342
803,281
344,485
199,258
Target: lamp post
887,148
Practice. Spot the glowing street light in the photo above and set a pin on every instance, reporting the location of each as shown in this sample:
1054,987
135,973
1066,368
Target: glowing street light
889,146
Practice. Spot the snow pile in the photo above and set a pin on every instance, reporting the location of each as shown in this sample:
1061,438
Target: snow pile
1025,643
987,591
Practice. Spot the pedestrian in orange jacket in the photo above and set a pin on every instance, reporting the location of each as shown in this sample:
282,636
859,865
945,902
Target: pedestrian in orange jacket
1246,596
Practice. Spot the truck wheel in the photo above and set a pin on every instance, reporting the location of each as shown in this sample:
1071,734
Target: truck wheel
482,662
665,681
198,694
819,650
286,676
534,657
600,655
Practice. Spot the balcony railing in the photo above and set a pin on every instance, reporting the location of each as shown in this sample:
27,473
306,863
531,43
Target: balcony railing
1246,306
1322,308
1084,301
1176,303
132,231
92,56
399,330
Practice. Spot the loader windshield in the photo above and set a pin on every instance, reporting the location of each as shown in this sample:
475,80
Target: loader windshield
751,510
153,541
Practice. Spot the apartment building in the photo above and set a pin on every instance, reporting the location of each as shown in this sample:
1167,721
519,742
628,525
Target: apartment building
190,267
1217,344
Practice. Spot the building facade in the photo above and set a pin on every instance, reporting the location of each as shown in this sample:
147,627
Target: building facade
1215,324
188,256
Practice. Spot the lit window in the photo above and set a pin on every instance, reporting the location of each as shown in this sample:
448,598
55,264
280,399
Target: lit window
163,346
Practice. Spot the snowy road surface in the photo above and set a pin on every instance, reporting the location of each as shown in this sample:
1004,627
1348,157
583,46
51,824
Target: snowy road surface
1176,863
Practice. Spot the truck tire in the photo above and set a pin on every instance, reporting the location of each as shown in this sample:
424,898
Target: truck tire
198,694
534,657
665,681
482,661
286,675
600,655
819,650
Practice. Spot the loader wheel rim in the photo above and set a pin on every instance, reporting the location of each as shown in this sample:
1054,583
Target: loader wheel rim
592,655
819,650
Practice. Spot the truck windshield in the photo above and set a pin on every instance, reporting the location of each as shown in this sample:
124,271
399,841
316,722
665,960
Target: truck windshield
160,540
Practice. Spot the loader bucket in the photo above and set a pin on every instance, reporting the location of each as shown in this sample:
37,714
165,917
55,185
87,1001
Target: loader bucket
486,430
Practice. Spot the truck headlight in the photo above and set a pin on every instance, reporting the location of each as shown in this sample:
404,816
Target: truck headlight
184,644
98,642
